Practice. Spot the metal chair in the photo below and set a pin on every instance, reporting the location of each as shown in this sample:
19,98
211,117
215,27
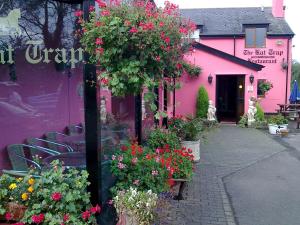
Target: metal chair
37,142
20,162
75,129
54,142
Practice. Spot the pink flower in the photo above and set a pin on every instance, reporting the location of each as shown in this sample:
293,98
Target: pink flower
127,23
86,215
134,160
161,24
38,218
100,51
133,30
179,66
8,216
113,157
110,202
121,165
56,196
99,41
157,58
136,182
154,172
120,158
78,13
183,30
101,4
92,8
105,13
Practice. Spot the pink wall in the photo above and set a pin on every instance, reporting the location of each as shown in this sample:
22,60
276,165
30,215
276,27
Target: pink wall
37,102
186,95
272,71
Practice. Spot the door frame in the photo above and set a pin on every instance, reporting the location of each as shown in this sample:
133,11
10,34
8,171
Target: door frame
217,90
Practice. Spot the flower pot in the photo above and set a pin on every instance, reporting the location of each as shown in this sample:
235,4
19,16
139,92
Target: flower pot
276,129
16,210
126,218
194,146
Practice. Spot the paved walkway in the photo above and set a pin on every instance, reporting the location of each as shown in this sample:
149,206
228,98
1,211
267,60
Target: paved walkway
245,177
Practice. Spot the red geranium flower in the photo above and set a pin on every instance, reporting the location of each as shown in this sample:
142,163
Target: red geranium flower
105,13
124,148
86,215
101,4
56,196
78,13
66,218
133,30
8,216
99,41
38,218
96,209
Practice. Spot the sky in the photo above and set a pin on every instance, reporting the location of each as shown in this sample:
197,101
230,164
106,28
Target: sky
291,14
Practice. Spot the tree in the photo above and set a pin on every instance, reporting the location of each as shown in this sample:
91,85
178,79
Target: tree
295,71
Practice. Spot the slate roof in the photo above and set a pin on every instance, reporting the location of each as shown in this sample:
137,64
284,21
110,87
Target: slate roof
229,21
224,55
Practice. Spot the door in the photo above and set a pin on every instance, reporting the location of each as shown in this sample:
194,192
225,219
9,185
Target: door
230,97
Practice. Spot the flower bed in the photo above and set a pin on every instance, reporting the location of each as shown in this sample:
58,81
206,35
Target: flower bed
56,197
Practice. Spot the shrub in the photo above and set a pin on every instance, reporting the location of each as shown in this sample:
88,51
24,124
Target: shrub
202,103
260,115
159,138
187,129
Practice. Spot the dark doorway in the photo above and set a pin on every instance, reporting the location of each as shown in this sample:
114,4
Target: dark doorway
230,97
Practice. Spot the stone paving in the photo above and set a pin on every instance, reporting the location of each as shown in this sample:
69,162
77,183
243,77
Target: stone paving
216,196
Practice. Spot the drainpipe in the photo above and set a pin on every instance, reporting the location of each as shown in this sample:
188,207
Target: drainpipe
234,45
287,70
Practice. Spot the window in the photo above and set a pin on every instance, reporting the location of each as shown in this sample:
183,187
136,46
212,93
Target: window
256,37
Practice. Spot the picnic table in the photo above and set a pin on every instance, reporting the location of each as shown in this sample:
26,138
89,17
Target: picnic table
291,111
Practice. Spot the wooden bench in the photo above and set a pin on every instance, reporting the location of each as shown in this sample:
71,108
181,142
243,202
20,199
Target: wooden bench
295,114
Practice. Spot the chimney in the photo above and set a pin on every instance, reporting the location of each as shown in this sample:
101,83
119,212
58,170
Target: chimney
278,8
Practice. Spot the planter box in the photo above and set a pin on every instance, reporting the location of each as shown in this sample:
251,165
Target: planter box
276,129
194,146
127,219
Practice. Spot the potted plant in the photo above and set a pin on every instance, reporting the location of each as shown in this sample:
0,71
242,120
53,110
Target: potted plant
264,86
188,130
159,138
135,207
276,124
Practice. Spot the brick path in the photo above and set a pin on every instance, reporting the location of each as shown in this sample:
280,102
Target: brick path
228,150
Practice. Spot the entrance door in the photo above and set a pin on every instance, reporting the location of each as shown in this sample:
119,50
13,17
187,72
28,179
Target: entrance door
230,97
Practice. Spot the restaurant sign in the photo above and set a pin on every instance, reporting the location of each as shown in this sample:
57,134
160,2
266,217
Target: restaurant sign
34,54
263,56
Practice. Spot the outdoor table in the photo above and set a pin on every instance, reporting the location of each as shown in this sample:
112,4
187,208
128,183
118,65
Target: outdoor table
287,109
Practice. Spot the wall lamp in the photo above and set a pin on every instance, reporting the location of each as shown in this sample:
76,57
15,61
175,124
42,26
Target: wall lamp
210,78
251,78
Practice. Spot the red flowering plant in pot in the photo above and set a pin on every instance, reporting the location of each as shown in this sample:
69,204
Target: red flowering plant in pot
58,197
135,45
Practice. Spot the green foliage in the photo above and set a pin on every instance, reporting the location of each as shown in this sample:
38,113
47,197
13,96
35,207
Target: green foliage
295,71
264,86
187,129
202,103
260,115
243,121
193,71
159,138
278,120
139,204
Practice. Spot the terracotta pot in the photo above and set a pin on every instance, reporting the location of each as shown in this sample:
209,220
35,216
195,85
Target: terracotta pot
16,210
127,219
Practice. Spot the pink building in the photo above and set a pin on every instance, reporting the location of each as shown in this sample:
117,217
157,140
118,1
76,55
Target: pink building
238,48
